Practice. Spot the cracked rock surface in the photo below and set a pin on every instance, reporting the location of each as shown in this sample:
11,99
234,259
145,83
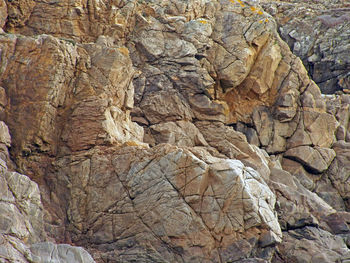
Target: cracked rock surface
318,32
171,131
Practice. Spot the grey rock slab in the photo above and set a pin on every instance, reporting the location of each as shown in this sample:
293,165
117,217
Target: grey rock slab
57,253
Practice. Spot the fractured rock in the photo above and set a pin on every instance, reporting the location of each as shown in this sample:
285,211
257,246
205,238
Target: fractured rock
317,160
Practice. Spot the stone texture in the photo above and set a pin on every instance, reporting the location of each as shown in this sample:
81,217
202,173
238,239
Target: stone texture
22,221
339,170
180,133
316,160
310,244
317,32
206,205
64,91
5,135
167,131
78,20
49,252
3,14
20,205
297,206
234,145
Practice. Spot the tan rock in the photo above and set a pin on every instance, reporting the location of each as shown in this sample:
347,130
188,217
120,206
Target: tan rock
317,160
282,177
309,28
299,137
65,97
165,106
320,246
5,137
282,130
198,203
339,169
329,193
263,123
82,20
321,127
3,14
46,251
207,62
180,133
286,106
307,179
298,207
234,145
22,224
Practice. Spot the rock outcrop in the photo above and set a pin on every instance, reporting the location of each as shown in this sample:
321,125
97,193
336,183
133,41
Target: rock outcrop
22,235
168,131
318,32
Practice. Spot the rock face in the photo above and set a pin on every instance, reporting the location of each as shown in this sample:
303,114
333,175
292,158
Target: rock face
318,32
182,205
22,218
167,131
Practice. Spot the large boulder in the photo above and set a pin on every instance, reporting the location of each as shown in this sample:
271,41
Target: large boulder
198,205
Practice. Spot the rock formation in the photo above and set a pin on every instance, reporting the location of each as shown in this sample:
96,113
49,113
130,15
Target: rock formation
318,32
171,131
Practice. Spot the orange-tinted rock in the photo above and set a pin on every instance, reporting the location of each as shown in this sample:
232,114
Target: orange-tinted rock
186,71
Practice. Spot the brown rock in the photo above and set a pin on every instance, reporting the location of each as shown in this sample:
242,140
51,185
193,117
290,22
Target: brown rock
307,179
263,123
282,177
180,133
5,137
338,223
198,202
3,14
78,21
91,107
321,127
329,193
207,62
18,13
165,106
298,207
309,28
300,137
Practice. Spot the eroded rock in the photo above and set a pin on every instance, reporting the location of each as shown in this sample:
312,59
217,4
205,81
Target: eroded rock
317,160
205,205
22,222
187,72
318,33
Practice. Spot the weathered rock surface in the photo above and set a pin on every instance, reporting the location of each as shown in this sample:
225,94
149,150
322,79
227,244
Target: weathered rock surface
3,14
318,32
315,159
61,89
166,200
168,131
22,219
49,252
310,244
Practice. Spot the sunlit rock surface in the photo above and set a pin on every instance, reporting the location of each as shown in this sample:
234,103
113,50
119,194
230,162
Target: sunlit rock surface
172,131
